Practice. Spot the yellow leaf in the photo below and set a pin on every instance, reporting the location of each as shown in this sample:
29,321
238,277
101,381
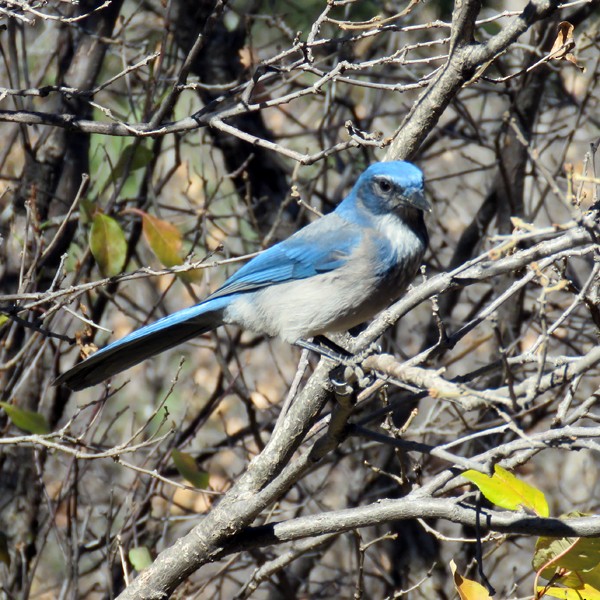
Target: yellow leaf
587,592
164,239
507,491
468,589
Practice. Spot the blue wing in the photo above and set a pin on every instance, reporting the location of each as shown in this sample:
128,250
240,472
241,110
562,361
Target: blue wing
320,247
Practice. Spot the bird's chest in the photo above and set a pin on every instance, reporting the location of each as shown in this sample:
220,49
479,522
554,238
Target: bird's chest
396,260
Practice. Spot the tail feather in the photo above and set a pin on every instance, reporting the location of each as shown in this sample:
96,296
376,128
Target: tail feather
144,343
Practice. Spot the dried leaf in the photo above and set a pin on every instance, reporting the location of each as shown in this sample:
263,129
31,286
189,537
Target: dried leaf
4,550
564,43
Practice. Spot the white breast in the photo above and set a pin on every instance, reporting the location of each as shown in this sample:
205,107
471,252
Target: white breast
334,301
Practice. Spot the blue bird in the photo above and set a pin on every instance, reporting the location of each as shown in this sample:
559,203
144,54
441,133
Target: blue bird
331,275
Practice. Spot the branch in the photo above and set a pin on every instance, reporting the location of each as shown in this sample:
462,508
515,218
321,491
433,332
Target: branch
251,494
480,269
412,507
463,60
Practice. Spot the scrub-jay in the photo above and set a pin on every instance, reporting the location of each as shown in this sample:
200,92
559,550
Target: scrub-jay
333,274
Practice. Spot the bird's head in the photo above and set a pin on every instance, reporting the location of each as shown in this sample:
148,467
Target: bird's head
392,186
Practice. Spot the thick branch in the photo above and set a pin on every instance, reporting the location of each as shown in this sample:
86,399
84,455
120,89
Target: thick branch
412,507
240,506
463,59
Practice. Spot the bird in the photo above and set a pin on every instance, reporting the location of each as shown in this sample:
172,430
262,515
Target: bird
331,275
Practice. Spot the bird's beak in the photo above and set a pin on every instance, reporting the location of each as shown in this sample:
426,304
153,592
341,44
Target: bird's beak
417,199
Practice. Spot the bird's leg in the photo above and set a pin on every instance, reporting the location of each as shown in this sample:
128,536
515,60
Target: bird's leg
324,347
333,346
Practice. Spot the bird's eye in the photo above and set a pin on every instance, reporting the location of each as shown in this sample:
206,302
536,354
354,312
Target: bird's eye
384,186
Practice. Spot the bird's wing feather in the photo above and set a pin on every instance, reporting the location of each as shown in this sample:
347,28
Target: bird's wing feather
323,246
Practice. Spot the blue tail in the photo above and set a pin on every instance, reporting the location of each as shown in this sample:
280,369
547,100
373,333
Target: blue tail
146,342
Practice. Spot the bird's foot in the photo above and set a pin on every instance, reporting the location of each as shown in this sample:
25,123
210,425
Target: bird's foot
349,374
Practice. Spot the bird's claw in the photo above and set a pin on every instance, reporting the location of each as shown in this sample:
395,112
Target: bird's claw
349,373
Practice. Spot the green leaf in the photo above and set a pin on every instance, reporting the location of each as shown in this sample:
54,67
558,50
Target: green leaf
575,579
27,420
75,254
507,491
187,468
591,577
133,157
3,319
492,28
108,244
164,239
571,553
140,558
